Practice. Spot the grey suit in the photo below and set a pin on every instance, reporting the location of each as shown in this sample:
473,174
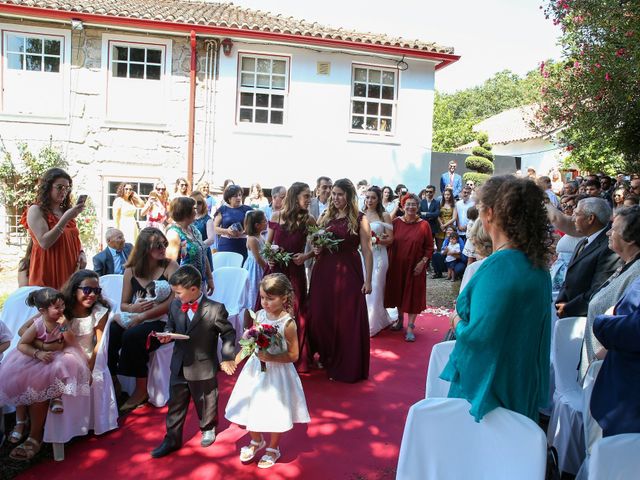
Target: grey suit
194,364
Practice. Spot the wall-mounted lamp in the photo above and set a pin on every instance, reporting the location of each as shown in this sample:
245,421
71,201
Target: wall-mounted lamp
77,24
227,45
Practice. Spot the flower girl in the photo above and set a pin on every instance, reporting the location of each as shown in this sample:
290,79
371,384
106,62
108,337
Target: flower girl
271,400
254,224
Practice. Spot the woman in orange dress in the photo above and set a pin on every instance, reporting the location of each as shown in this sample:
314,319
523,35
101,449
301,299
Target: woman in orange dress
56,252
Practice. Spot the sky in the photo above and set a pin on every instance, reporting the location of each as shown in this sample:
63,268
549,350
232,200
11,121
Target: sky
490,35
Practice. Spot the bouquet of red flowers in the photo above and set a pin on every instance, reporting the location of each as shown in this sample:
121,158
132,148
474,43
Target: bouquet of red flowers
259,337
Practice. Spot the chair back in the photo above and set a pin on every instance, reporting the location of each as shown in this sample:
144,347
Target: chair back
592,431
15,312
231,287
438,360
616,458
442,441
112,289
566,346
227,259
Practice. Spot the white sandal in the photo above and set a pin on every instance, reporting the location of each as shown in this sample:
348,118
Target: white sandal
249,452
16,438
268,461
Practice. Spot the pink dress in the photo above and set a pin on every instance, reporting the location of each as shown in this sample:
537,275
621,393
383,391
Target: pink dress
26,380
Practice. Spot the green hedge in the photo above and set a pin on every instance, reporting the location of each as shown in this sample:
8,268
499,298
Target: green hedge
479,164
477,178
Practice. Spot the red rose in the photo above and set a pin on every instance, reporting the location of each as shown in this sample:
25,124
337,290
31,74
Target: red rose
263,341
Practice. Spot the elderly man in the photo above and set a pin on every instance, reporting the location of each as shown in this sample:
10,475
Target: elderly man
321,201
113,258
592,262
277,201
451,179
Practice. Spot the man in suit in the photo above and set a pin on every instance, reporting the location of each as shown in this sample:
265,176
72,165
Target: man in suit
321,201
451,179
593,262
113,258
194,362
430,209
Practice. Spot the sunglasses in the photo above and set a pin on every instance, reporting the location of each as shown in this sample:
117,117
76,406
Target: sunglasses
60,187
161,189
199,202
89,290
159,245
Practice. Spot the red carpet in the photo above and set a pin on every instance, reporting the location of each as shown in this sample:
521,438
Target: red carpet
355,430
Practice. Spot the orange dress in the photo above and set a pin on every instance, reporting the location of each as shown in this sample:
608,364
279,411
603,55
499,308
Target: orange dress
54,266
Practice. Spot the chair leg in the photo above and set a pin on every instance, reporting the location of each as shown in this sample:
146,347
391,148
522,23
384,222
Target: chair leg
58,452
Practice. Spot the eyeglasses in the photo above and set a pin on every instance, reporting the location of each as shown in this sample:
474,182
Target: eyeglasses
89,290
470,185
199,202
161,189
60,187
159,245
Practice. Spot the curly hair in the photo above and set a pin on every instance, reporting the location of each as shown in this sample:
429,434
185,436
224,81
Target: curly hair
45,185
331,212
120,191
293,216
379,207
519,211
70,287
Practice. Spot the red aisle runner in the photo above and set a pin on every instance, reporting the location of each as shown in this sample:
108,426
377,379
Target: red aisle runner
355,430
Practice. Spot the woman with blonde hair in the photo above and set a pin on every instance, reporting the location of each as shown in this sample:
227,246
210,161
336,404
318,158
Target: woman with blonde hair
157,207
256,198
483,247
339,321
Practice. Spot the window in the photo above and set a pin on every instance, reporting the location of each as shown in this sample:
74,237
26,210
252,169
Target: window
33,53
141,188
136,62
373,100
262,89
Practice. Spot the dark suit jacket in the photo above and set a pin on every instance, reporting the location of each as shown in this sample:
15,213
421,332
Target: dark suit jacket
197,358
595,264
615,401
103,261
431,214
457,183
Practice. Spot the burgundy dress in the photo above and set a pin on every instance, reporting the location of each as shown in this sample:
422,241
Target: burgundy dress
338,320
293,242
411,242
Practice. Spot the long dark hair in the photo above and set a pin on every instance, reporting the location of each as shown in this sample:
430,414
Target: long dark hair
379,207
70,287
331,212
292,215
45,185
452,202
138,261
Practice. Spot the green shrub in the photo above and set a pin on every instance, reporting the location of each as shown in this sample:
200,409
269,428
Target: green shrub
479,164
477,178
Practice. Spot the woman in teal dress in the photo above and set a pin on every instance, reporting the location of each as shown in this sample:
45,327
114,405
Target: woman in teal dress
503,316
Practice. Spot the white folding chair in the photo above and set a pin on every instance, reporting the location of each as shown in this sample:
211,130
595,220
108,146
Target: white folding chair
592,431
504,445
15,312
565,425
616,458
227,259
440,353
112,290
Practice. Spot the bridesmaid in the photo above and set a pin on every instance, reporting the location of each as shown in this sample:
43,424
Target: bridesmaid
288,229
338,323
380,222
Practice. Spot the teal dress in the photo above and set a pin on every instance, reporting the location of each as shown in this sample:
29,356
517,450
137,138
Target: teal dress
192,252
501,356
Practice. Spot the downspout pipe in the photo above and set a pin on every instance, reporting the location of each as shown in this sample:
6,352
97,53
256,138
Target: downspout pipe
192,107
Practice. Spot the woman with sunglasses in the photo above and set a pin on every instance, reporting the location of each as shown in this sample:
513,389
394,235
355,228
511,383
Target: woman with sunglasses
56,251
125,207
204,224
157,207
128,352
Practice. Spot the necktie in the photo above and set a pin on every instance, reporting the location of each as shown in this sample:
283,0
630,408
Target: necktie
185,307
581,247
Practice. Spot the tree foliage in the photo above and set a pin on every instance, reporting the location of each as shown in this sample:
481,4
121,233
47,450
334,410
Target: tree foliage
480,162
593,95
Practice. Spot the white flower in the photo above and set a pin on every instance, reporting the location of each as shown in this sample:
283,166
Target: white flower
374,240
321,232
275,248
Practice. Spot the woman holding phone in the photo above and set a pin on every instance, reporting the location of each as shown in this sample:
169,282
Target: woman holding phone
56,252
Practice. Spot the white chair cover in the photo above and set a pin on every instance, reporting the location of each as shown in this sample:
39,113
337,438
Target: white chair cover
226,259
442,441
616,458
565,425
592,431
158,377
548,410
231,289
438,360
112,289
15,312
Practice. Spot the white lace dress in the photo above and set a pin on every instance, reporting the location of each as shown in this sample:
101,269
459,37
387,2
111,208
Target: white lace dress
270,401
379,318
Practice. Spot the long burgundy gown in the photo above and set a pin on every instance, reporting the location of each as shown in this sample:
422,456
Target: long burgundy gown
293,242
338,317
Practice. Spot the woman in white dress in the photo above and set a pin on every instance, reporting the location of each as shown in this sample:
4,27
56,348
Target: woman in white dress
382,236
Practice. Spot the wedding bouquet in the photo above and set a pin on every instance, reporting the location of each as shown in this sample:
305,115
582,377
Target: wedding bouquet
275,254
259,337
323,237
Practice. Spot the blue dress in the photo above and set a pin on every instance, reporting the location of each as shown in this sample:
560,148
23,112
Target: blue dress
201,225
255,275
229,217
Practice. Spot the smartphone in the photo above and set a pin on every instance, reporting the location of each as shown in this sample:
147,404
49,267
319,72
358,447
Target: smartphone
81,199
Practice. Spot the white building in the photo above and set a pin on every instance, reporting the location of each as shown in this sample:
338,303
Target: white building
156,89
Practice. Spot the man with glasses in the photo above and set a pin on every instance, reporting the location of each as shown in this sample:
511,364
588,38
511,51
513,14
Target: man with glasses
113,258
451,179
430,209
462,207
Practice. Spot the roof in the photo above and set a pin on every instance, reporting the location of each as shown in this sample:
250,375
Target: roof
510,126
227,16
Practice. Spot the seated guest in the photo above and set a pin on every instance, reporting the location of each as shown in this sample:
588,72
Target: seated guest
592,262
615,401
113,258
439,258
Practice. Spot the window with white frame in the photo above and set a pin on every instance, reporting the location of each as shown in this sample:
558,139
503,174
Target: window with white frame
136,62
262,89
373,99
35,72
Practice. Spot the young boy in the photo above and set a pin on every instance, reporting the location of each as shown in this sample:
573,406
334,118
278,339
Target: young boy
450,260
194,363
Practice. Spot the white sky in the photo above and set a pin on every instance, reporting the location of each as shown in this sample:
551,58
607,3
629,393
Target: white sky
490,35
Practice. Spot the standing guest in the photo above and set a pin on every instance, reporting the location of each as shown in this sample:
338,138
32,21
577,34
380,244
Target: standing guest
483,247
229,221
630,200
204,224
634,186
593,189
128,351
620,181
181,188
380,222
289,229
255,224
472,186
361,189
339,324
618,198
125,207
531,174
320,202
113,258
430,209
570,188
56,252
194,362
448,216
451,179
389,201
157,206
557,186
277,201
400,191
462,207
185,241
205,189
256,198
545,184
606,184
513,280
411,250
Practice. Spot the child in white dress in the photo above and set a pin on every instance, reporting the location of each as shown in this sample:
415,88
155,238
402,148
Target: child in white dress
273,400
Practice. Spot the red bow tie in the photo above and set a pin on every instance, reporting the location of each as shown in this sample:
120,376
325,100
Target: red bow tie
189,306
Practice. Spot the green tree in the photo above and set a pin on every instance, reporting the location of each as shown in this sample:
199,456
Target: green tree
480,162
592,97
